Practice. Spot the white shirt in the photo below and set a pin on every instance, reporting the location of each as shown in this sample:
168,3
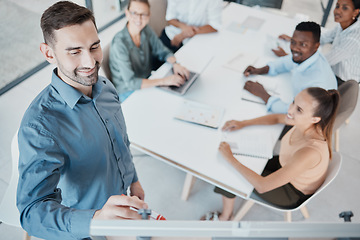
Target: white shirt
344,56
193,12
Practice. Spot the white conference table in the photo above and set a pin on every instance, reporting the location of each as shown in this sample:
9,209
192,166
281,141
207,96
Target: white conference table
149,113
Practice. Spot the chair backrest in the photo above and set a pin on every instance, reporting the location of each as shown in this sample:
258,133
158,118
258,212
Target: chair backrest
105,65
9,213
333,170
349,91
157,18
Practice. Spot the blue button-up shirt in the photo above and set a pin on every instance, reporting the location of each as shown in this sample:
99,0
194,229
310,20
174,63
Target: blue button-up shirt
313,72
74,154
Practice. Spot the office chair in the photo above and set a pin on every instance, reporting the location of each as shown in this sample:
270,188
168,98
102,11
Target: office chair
9,213
333,170
106,61
157,15
349,92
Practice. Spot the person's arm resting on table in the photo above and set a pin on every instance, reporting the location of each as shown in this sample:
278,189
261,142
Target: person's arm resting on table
254,87
278,178
270,119
279,51
188,31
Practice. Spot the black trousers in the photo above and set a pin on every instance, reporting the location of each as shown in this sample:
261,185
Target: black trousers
339,81
167,42
286,196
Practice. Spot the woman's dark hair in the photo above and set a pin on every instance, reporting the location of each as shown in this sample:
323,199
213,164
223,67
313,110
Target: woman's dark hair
141,1
328,102
63,14
356,6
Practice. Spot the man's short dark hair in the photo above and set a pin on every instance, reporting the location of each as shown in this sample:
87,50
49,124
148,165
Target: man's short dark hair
310,27
63,14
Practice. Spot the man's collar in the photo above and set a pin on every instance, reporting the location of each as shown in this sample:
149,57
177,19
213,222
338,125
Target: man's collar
70,95
308,62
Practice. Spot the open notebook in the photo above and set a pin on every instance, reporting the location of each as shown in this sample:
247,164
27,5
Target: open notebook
252,145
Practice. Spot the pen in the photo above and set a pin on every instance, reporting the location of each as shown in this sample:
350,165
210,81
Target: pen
245,99
154,215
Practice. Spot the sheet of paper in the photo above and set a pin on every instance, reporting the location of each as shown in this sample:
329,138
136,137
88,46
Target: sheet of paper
200,113
252,22
240,61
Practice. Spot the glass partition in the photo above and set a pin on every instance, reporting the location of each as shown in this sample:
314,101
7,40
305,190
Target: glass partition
21,34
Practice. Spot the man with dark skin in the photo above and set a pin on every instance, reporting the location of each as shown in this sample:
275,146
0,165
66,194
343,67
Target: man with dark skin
309,68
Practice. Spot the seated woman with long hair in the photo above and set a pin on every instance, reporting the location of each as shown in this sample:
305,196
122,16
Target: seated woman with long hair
300,169
134,51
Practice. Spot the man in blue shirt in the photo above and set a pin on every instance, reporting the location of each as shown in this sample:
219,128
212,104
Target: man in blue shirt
308,67
75,163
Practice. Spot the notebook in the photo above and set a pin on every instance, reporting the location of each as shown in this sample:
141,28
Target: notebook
199,113
258,146
183,88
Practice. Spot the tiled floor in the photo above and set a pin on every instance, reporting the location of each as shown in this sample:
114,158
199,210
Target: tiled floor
165,198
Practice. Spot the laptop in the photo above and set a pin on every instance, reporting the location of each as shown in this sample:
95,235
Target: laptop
183,88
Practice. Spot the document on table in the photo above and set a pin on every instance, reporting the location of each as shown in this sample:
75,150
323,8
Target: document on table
199,113
251,22
258,146
240,61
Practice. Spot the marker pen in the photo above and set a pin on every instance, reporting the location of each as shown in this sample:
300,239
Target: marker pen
154,215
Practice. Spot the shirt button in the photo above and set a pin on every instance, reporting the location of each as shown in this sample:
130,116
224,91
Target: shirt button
106,121
114,140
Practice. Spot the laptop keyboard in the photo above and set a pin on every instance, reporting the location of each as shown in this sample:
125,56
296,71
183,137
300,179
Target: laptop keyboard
179,89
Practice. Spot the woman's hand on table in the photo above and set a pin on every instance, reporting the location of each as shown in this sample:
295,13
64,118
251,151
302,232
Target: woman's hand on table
233,125
225,150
